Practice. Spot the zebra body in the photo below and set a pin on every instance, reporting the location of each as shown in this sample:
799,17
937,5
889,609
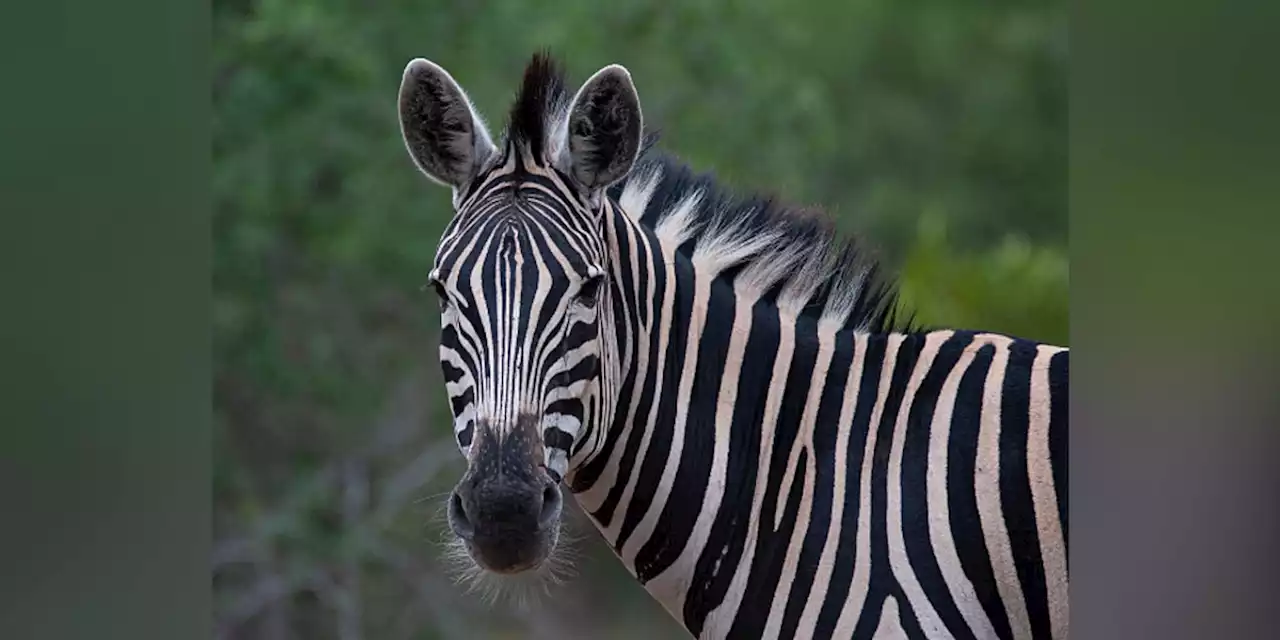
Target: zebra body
721,384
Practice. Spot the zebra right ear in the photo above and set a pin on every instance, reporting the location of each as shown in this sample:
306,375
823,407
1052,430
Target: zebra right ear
604,128
444,135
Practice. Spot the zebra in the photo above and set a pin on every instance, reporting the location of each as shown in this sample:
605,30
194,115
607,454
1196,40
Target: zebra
725,386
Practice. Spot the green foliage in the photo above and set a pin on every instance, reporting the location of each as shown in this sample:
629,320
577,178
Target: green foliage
332,437
1015,287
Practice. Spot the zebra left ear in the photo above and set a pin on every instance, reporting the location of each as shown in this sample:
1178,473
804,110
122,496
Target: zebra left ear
604,128
441,130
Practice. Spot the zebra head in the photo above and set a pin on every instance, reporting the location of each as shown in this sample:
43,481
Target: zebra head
522,275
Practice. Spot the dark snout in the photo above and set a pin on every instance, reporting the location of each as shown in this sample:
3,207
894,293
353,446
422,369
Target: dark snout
506,508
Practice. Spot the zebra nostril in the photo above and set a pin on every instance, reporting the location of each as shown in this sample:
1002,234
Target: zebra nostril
550,506
458,520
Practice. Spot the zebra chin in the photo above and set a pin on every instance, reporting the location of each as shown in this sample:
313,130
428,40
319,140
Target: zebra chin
522,586
511,556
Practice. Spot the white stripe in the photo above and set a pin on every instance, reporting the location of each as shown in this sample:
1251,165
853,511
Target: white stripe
644,530
594,496
890,626
804,440
675,580
930,623
986,485
485,390
852,609
940,534
1044,494
664,334
720,619
822,577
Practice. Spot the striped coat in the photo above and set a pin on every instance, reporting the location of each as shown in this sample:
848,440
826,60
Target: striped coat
721,383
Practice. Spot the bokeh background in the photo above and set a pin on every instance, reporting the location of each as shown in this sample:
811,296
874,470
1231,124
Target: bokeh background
936,128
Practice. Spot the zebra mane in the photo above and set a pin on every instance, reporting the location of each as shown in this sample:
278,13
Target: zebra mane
791,256
538,114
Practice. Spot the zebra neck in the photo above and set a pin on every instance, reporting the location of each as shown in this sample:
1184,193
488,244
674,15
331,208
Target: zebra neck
710,389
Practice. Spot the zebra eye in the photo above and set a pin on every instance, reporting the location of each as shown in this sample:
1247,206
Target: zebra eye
589,291
441,294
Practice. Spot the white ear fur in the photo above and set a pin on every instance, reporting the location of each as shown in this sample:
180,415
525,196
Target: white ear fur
442,132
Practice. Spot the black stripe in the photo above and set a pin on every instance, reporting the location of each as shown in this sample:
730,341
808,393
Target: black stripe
914,486
966,526
907,615
680,513
1058,414
566,407
463,344
587,365
459,402
580,333
626,298
556,438
589,426
717,565
846,552
1018,508
637,266
578,243
591,472
452,374
826,428
488,274
655,459
754,611
626,292
541,312
771,545
882,580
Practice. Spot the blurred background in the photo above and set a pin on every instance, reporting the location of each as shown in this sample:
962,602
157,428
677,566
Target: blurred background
936,128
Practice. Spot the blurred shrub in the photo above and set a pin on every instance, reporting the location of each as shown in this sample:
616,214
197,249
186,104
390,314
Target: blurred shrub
1013,287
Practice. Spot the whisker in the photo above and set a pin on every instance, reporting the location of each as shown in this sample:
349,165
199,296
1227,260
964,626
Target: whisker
434,496
519,591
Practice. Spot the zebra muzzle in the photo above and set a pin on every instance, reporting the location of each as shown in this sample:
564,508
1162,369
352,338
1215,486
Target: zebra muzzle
506,508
